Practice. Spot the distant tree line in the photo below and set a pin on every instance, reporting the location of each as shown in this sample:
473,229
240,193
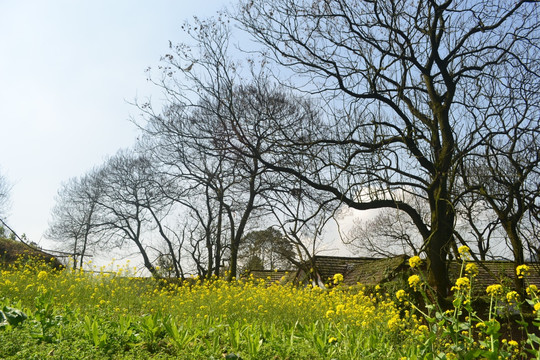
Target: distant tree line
427,112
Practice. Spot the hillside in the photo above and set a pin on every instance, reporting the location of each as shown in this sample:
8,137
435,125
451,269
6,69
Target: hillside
11,250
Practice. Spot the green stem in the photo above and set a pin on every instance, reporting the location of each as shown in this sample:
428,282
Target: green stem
492,347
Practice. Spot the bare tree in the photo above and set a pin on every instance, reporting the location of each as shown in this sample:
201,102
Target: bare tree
217,187
400,80
209,135
389,233
302,213
509,160
72,222
530,232
477,225
129,205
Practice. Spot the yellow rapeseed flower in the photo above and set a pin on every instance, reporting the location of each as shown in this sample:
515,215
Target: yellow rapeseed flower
512,297
401,295
464,251
394,323
481,325
42,275
513,343
338,279
536,307
471,269
522,271
415,262
414,281
422,329
532,289
462,283
494,290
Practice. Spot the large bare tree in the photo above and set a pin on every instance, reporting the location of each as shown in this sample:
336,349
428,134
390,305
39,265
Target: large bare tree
72,223
505,169
131,205
211,133
403,83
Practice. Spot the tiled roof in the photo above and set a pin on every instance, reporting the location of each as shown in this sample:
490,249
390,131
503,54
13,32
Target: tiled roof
496,272
328,266
271,275
377,271
364,270
372,271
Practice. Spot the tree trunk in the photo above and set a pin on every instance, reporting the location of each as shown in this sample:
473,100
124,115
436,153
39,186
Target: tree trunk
438,245
217,255
233,268
517,248
209,249
75,252
146,259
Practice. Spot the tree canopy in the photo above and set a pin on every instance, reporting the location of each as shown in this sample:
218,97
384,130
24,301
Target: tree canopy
413,88
425,110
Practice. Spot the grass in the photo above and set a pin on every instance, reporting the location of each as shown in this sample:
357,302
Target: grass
62,314
76,315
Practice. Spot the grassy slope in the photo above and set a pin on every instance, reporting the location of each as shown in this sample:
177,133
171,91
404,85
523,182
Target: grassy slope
12,251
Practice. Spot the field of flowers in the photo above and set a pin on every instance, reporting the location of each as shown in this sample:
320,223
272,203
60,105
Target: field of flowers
77,315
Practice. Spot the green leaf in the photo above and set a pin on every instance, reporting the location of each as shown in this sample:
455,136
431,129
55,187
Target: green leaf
11,316
493,327
534,338
3,320
232,357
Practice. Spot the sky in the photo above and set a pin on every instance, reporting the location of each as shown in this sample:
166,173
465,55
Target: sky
68,70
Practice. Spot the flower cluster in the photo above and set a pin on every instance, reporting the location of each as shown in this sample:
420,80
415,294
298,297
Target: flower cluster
495,290
464,252
462,284
522,271
512,297
338,279
42,275
414,282
471,269
415,262
401,295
